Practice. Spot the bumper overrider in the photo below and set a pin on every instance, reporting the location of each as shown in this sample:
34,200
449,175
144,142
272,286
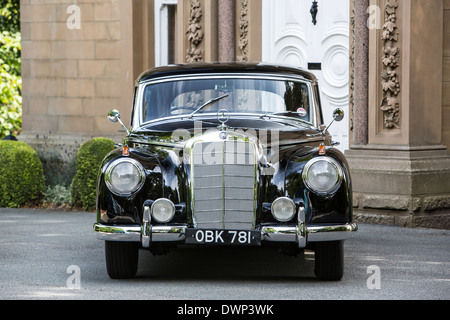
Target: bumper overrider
300,233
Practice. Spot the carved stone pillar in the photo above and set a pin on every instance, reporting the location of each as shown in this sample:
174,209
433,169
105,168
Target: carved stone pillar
360,47
219,30
226,22
248,38
197,31
402,175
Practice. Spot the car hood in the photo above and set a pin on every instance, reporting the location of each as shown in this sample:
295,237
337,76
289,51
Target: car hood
276,130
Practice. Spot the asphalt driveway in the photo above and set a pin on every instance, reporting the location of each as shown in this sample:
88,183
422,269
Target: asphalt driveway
55,255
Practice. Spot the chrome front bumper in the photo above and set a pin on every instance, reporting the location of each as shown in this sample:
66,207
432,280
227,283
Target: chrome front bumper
301,234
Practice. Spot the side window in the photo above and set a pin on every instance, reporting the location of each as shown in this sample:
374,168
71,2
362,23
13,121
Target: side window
146,103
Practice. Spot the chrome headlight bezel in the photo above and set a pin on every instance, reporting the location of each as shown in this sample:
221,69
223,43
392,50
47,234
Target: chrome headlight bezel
332,187
113,165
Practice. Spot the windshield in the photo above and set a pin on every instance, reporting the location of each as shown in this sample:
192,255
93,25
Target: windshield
237,95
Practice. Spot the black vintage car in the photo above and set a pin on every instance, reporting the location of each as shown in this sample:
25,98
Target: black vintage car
225,154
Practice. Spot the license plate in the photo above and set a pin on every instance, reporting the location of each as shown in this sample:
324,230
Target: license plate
223,237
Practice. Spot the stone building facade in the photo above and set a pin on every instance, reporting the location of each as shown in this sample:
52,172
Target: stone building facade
81,57
399,154
71,73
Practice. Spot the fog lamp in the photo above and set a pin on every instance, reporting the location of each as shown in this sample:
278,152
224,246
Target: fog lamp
163,210
283,209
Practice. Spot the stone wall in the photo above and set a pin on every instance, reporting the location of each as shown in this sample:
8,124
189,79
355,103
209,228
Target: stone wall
401,176
71,64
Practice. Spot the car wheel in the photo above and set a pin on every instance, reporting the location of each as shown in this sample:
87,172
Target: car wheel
329,264
121,259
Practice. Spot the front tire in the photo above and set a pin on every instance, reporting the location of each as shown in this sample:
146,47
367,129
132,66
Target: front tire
121,259
329,264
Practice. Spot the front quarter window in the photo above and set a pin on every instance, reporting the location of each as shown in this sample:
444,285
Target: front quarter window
134,105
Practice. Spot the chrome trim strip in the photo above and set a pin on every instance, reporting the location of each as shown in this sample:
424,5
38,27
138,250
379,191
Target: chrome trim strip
168,233
145,234
279,233
146,227
331,233
131,233
301,228
221,75
300,234
287,233
315,122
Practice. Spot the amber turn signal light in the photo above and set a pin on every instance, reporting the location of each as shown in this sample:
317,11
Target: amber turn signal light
322,150
126,151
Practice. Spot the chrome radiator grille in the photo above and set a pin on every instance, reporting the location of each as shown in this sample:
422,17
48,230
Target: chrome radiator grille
223,176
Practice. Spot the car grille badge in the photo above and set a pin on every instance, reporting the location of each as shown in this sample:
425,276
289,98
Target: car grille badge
223,116
223,135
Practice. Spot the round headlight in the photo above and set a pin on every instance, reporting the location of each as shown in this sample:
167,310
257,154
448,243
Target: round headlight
322,175
125,176
283,209
163,210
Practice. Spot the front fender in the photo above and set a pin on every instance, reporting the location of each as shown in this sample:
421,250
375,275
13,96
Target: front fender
113,209
335,207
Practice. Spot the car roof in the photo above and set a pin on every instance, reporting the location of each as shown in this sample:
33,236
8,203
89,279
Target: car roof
221,67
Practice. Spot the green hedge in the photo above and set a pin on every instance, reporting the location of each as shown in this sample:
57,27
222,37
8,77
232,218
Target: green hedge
21,174
89,159
10,85
10,68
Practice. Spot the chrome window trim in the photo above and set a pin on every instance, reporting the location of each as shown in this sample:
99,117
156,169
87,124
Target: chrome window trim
138,123
221,75
113,164
330,160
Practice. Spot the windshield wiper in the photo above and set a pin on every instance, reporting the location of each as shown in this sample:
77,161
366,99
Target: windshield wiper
207,104
285,113
281,113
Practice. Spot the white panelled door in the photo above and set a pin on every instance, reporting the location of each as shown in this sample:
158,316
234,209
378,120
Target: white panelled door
290,37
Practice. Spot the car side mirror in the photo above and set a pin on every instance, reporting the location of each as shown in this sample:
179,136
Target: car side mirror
114,116
338,114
